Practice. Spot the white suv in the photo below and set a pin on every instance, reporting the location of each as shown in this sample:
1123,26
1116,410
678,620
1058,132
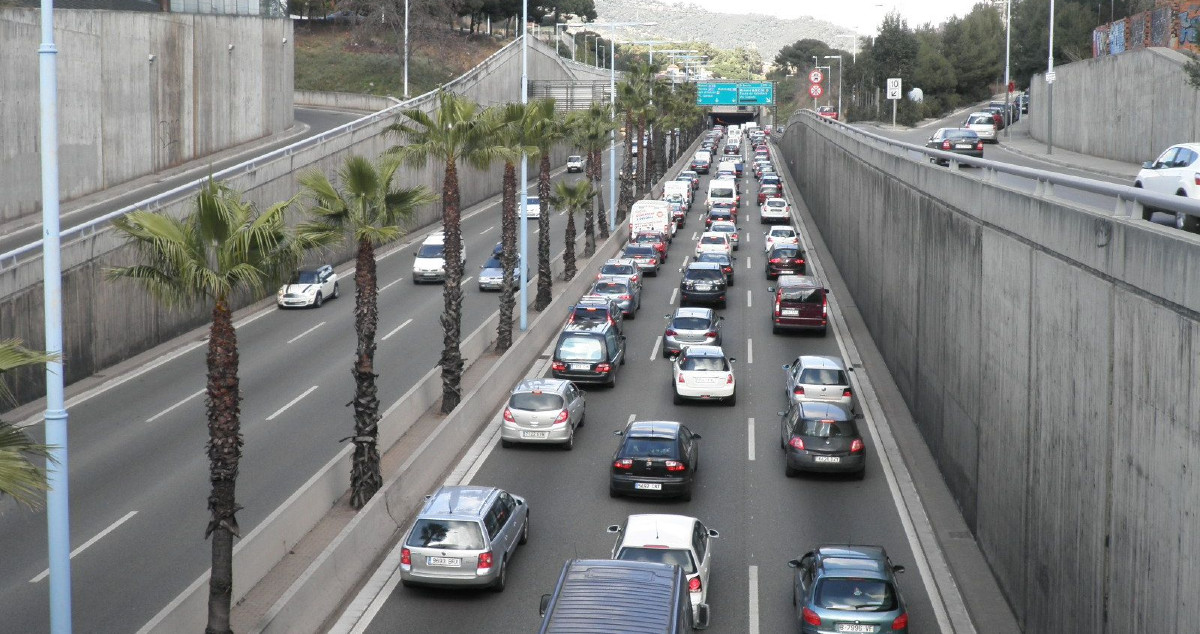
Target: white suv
574,163
429,263
1175,172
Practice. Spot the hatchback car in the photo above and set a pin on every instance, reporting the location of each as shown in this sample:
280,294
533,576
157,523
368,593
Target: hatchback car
646,256
491,274
957,140
779,236
720,213
716,242
821,437
533,207
543,411
704,373
828,111
691,326
654,458
656,239
626,294
1174,173
983,125
774,210
726,227
596,310
588,353
819,378
787,259
771,178
704,283
691,176
767,191
624,269
574,163
725,261
844,588
800,304
464,536
669,539
309,287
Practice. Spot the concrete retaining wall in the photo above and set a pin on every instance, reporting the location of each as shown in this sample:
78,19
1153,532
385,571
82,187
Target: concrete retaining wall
354,102
1128,107
1049,355
122,114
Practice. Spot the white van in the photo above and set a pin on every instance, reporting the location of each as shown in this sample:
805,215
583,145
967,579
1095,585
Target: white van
683,188
721,191
651,215
429,263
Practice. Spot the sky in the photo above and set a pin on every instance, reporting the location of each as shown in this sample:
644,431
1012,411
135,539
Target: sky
861,15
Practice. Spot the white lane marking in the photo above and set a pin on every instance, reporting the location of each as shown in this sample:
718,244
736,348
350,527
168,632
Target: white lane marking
674,294
748,262
749,351
173,407
397,329
631,417
685,261
111,527
390,284
306,332
753,629
291,403
465,280
657,345
694,236
748,298
487,230
750,444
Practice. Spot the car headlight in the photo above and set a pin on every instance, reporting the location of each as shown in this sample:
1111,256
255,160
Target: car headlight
280,292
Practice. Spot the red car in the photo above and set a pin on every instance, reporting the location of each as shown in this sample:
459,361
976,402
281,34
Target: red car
767,191
652,238
828,111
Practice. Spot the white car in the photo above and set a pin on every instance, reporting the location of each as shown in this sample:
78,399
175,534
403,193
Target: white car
714,243
983,124
574,163
672,539
1174,173
429,262
779,236
533,207
704,373
726,227
774,210
308,287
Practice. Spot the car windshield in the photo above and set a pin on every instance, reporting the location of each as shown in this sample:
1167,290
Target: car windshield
721,192
690,323
646,447
535,401
803,294
704,364
304,277
703,275
532,201
863,595
681,558
823,376
610,288
446,534
431,251
825,428
574,157
723,228
712,240
581,348
618,269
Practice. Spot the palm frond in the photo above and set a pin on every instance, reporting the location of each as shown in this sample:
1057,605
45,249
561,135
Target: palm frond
20,478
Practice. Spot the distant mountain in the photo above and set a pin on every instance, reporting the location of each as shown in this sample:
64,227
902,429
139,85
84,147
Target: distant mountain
723,30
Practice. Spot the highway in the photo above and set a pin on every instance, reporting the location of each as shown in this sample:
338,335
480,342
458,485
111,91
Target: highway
139,471
764,518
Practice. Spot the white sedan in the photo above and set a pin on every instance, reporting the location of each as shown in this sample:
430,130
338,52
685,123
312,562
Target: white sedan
308,287
728,228
779,236
533,207
774,210
671,539
713,242
704,373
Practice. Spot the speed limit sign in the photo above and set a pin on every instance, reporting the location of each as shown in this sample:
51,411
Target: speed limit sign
815,76
815,90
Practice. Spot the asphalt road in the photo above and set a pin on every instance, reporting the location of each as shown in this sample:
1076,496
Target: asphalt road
139,472
764,518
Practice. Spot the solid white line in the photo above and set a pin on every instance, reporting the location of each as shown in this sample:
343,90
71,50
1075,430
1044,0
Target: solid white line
487,230
750,444
657,345
306,332
291,403
397,329
674,294
173,407
390,284
753,629
749,351
748,298
111,527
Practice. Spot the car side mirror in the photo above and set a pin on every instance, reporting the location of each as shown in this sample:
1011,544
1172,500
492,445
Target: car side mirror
714,534
701,616
721,318
786,366
695,436
781,414
795,563
897,568
543,605
615,528
1148,165
481,266
771,289
618,432
731,359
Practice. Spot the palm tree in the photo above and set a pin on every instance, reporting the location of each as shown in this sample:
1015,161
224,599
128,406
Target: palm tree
371,208
572,198
20,478
224,247
511,132
627,102
590,132
545,127
456,132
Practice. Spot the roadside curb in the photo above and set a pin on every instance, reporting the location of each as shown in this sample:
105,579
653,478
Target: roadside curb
1047,158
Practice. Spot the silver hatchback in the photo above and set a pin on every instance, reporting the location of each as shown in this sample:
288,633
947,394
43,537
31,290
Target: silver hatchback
817,378
543,411
626,294
691,327
464,536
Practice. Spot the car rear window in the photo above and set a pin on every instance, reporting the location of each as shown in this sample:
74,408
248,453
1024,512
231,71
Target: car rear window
825,428
785,253
861,595
713,240
823,376
721,192
446,534
681,558
610,288
532,200
776,202
493,263
617,269
431,251
535,401
960,134
719,258
705,364
646,447
981,119
639,251
801,294
580,348
704,275
782,233
723,228
690,323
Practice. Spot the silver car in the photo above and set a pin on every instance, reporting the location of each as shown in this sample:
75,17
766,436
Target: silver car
623,269
627,295
543,411
691,327
464,536
491,274
817,378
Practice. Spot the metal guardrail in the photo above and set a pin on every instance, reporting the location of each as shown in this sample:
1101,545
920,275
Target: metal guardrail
1130,201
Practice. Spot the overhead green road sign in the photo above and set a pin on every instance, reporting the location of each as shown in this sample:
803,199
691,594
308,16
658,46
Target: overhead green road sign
729,93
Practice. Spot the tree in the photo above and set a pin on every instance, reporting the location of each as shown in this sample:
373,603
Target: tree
589,131
20,478
798,57
456,132
222,248
512,133
545,128
895,49
371,209
974,46
572,198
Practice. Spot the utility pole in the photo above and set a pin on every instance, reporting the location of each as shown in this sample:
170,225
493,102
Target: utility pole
1007,56
1050,87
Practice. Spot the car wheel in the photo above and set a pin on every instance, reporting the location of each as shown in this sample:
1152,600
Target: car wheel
318,301
525,532
631,316
788,471
502,578
774,328
824,330
732,400
686,496
570,444
731,280
337,291
676,398
507,444
1184,222
613,493
861,473
407,584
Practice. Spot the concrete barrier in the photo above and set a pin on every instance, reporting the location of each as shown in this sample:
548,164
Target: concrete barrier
343,101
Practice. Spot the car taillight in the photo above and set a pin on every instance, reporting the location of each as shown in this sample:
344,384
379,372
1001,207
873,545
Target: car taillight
680,379
485,561
901,622
847,393
675,465
776,260
694,584
671,332
734,236
777,313
625,297
624,463
797,443
798,390
856,446
561,418
729,379
508,414
824,307
801,260
405,557
633,278
603,367
811,617
979,146
945,145
558,366
710,334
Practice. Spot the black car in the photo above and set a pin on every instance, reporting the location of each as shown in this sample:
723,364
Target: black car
589,353
957,140
719,213
725,261
656,458
787,259
821,437
703,283
700,166
596,310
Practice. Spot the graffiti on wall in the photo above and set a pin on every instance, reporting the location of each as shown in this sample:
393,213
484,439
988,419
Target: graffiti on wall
1189,27
1100,41
1137,32
1173,24
1160,27
1116,38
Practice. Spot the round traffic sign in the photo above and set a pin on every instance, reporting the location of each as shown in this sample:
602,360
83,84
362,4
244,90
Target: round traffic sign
815,90
815,76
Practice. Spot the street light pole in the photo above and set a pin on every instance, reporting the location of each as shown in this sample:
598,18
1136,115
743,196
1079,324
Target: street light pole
524,220
612,142
1050,87
1007,56
839,59
406,49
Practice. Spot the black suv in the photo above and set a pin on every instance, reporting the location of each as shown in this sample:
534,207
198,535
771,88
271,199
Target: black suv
703,282
589,353
596,309
786,259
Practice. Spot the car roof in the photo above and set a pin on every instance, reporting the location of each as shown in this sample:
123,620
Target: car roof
705,351
721,223
458,501
612,279
694,311
620,261
594,301
818,409
776,199
797,280
542,384
852,560
653,429
658,529
821,361
704,266
437,237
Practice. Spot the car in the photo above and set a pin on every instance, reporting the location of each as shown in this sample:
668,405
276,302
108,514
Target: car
464,536
771,178
725,261
429,262
592,309
690,326
828,111
309,287
533,207
774,210
703,282
712,241
626,294
678,214
785,259
588,353
822,438
704,373
574,163
654,458
800,303
606,595
997,116
647,257
656,239
693,177
779,236
720,213
541,411
957,140
700,165
847,588
761,165
1173,173
766,192
670,539
983,125
1024,103
819,378
491,274
727,227
622,269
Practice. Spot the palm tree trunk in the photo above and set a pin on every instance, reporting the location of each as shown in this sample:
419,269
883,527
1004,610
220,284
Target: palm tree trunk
508,260
597,159
626,196
641,158
365,475
589,215
569,249
651,163
224,453
545,276
452,360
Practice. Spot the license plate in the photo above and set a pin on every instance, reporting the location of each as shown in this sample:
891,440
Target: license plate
786,272
444,562
790,312
535,434
647,486
855,627
835,459
583,367
704,287
961,146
